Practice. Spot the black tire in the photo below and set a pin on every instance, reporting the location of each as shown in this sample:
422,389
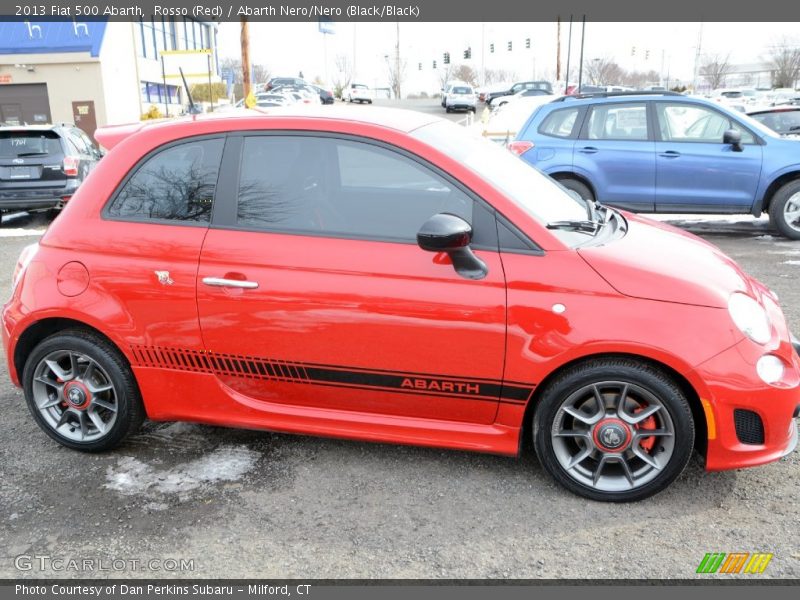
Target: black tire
130,410
369,101
625,371
578,187
448,109
787,196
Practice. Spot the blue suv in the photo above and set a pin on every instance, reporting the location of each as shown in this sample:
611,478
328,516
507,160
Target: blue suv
665,153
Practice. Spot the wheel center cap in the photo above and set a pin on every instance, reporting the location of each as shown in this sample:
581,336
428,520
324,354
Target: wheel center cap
76,394
612,435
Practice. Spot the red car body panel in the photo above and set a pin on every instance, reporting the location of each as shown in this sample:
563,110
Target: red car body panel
383,341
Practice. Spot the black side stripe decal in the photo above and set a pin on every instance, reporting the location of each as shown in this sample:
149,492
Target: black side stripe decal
331,375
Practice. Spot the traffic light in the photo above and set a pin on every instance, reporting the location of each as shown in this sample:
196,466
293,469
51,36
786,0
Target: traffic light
420,67
434,64
446,58
647,54
633,50
491,48
509,46
527,43
467,53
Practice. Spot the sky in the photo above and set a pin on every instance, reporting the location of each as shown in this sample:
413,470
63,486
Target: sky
668,48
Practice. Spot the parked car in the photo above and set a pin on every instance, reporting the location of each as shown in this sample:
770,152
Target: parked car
525,93
505,122
460,97
666,153
784,119
265,100
283,81
390,278
42,166
518,87
357,92
325,95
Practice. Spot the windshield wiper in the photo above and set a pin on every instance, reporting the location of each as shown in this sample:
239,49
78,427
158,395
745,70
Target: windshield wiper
584,226
31,154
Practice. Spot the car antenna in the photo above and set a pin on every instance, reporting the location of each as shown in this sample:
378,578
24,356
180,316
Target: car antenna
193,109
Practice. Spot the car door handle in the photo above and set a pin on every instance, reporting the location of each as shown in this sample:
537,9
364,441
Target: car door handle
588,150
670,154
236,283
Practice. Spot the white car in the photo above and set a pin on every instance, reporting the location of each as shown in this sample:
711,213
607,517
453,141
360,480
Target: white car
496,103
460,97
357,92
504,123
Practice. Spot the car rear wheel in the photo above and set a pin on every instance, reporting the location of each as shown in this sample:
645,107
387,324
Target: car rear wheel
81,391
580,188
784,210
615,430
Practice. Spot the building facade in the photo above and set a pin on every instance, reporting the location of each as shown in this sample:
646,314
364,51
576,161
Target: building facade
98,73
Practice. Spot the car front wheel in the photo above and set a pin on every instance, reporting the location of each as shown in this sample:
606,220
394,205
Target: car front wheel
784,210
81,391
614,430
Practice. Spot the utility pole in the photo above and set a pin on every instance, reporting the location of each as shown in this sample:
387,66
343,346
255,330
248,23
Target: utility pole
245,39
580,66
483,53
558,48
569,54
697,58
397,62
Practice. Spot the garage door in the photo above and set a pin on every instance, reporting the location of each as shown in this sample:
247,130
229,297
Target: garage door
24,103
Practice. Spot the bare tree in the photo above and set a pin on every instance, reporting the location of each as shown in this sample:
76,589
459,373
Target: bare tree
344,74
466,74
784,60
397,73
445,74
500,76
603,71
715,69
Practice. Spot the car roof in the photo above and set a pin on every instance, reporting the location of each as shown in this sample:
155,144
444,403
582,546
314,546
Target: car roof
389,118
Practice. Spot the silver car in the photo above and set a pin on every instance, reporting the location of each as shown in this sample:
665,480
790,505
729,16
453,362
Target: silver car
460,97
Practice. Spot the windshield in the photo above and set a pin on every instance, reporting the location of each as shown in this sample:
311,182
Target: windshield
462,90
539,195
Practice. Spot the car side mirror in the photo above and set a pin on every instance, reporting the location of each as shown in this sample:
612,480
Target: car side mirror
449,233
734,138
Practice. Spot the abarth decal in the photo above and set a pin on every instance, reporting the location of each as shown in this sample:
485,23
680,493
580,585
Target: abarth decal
307,373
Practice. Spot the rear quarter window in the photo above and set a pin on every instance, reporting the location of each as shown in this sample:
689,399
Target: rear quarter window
560,123
174,184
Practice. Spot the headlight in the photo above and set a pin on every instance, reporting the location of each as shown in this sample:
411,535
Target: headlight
750,317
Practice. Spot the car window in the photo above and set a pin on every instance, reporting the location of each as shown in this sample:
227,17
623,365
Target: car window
86,139
340,188
177,183
462,90
691,123
559,123
78,142
781,121
618,122
14,144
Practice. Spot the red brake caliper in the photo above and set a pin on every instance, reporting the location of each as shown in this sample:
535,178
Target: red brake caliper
649,423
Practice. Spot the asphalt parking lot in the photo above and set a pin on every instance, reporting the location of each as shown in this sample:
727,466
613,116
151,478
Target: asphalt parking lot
258,504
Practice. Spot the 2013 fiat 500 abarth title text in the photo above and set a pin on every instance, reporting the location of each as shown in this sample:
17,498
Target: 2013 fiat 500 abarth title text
383,276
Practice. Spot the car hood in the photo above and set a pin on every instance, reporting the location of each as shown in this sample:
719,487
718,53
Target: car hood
656,261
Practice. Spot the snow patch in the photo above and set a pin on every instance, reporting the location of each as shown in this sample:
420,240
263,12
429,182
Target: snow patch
791,262
20,232
227,463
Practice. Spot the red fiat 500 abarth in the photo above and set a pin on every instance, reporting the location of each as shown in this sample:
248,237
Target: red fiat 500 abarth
381,275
